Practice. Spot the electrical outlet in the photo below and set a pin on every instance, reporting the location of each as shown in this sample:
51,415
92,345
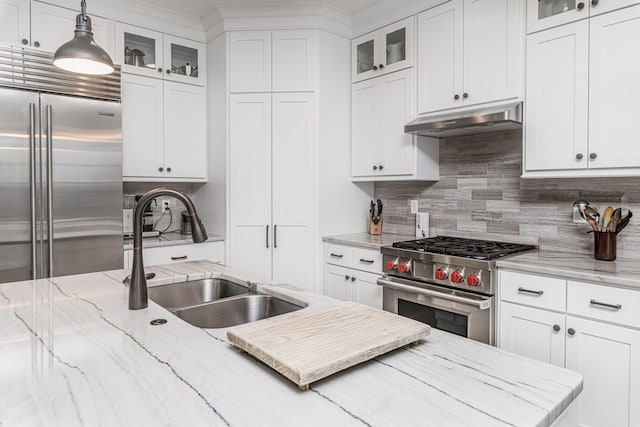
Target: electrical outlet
414,206
165,205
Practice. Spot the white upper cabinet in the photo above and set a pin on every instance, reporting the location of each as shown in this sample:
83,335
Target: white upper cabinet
582,91
614,89
153,54
383,51
543,14
14,22
556,122
381,150
278,61
52,26
470,52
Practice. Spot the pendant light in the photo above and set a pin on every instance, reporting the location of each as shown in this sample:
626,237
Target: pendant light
81,54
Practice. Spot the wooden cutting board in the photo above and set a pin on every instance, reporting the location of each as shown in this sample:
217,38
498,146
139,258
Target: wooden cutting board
308,345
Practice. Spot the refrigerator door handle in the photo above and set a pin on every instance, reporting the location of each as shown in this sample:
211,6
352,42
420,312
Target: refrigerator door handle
32,171
50,188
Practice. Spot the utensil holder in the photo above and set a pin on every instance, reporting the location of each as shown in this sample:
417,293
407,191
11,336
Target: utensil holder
606,245
375,228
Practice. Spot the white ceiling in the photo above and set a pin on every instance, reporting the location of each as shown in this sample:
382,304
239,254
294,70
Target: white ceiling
200,8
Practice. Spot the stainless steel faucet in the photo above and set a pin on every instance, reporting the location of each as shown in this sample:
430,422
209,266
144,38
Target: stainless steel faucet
138,281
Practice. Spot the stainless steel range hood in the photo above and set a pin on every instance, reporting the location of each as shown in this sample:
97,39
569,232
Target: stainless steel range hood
496,119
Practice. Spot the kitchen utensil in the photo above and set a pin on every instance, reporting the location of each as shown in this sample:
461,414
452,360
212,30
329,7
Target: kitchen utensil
606,218
578,210
624,222
593,212
615,220
592,221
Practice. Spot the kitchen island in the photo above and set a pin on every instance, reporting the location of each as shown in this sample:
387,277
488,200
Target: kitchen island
73,354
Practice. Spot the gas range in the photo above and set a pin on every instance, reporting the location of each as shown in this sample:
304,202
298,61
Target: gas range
459,263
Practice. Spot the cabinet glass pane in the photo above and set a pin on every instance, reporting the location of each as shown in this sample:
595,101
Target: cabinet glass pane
547,8
184,60
139,51
365,57
395,46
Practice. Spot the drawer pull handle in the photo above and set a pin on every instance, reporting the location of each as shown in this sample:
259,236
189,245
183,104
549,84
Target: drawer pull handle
367,261
529,291
337,255
178,258
604,304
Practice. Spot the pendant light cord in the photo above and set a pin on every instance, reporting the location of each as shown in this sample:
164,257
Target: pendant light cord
83,8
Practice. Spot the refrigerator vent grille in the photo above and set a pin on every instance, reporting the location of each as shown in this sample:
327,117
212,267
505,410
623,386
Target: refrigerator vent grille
33,69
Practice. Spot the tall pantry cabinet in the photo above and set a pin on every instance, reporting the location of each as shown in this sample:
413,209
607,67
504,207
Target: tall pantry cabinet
286,176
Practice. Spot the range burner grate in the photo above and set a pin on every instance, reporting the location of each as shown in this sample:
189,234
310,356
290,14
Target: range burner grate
468,248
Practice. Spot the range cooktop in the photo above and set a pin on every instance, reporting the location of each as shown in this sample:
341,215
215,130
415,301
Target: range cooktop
468,248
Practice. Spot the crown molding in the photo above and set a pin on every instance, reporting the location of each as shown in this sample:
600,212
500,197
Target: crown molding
277,17
142,15
385,12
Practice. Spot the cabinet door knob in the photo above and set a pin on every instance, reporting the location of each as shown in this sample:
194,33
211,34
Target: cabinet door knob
580,6
593,156
160,169
375,168
380,167
556,328
375,68
579,156
456,97
159,69
25,41
595,2
347,277
353,279
168,71
465,95
168,169
37,44
571,331
381,66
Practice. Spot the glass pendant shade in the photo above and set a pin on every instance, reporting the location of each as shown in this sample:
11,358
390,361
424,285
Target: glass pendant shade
81,54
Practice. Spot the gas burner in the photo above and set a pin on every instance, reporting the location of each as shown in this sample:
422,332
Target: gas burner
467,248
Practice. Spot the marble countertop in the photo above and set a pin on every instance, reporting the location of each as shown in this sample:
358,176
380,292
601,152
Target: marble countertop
366,240
73,354
169,239
621,272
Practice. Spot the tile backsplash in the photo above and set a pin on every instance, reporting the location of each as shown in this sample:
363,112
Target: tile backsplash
481,195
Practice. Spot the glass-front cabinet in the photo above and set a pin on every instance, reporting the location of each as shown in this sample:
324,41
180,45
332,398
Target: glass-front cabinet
383,51
153,54
543,14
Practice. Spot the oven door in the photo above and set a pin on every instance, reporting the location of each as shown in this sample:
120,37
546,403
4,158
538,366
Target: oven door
461,313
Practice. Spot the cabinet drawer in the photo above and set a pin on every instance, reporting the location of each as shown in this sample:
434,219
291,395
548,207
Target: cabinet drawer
536,291
210,251
604,303
337,255
366,260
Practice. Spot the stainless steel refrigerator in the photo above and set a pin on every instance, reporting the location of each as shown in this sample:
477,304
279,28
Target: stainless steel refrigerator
60,171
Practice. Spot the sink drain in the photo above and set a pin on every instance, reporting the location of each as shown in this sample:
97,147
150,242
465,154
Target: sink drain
156,322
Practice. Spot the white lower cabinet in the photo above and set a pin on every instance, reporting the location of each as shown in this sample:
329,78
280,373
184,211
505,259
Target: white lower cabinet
351,274
595,334
210,251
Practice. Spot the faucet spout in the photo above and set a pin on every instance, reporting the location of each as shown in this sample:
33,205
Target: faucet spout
138,282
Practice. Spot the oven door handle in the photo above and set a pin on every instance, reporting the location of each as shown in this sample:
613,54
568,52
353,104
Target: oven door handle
482,304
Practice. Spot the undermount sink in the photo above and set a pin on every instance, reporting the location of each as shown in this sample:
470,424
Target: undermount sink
236,311
218,303
196,292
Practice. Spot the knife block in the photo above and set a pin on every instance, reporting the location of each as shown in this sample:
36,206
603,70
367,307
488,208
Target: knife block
374,228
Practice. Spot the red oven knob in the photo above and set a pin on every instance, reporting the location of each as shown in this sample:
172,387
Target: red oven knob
456,277
403,267
390,265
473,280
441,274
